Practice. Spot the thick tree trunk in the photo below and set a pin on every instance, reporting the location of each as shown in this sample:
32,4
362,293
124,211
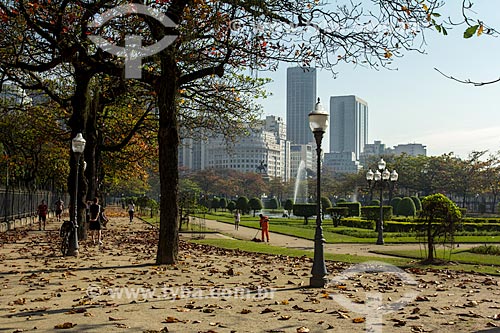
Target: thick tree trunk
168,141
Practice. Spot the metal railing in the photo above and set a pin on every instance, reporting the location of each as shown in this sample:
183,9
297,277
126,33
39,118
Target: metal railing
17,203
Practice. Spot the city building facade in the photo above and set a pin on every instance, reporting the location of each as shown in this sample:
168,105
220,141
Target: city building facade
349,124
300,101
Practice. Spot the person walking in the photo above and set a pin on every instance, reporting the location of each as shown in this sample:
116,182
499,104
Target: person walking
94,223
42,214
59,209
264,225
237,217
131,209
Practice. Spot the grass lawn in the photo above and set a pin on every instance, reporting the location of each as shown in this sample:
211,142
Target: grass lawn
459,256
397,261
295,227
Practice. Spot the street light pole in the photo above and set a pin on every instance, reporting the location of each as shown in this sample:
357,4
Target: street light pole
77,146
318,121
380,177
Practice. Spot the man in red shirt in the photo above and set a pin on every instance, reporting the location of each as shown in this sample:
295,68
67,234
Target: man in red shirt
42,214
264,225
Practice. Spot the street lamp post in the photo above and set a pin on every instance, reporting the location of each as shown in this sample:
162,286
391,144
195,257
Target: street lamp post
318,121
380,178
77,146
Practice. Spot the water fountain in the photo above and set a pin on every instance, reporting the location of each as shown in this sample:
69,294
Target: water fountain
300,191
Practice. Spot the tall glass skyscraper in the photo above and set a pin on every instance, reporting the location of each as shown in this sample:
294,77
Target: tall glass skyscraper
300,101
349,124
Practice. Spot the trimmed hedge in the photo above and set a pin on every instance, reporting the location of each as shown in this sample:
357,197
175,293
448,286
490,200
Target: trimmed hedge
353,207
357,223
406,207
373,212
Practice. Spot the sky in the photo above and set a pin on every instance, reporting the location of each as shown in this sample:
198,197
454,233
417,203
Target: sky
414,103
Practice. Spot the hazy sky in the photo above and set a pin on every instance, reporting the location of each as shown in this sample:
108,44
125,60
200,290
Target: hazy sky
416,104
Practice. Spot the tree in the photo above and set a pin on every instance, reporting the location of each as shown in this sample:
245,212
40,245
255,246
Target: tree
231,206
255,204
205,52
305,210
441,216
242,205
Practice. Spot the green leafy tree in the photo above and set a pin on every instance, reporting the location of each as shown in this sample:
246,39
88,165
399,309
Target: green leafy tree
305,210
255,204
242,205
442,216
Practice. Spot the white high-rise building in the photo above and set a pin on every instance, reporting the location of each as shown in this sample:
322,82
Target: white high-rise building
349,124
265,150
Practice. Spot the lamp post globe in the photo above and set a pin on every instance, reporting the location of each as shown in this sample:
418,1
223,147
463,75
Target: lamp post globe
318,122
78,147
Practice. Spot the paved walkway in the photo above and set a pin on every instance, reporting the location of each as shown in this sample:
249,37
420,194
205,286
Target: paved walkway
245,233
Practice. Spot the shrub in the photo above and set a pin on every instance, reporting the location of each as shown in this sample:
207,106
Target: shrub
372,213
304,210
417,202
255,204
272,203
357,223
325,204
288,205
394,203
214,204
374,202
337,213
406,207
354,208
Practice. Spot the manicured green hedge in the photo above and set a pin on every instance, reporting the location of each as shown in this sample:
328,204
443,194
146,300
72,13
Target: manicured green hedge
357,223
354,208
373,212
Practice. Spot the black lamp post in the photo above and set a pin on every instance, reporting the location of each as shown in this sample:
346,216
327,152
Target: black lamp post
380,178
77,146
318,121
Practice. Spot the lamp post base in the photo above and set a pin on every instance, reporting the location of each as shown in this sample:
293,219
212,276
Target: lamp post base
380,242
318,281
72,253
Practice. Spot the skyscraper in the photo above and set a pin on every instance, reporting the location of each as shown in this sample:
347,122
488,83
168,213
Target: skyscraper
349,124
300,100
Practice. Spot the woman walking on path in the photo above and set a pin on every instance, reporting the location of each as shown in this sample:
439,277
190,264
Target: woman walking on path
95,224
237,219
131,209
42,214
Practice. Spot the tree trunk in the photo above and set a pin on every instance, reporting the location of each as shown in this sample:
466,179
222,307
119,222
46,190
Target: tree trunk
168,140
430,242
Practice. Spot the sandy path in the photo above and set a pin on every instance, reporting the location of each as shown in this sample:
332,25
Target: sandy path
119,289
